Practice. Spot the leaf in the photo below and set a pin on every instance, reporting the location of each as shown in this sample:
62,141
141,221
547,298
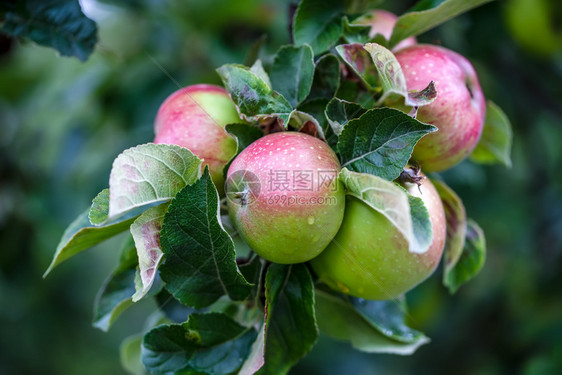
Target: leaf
355,33
209,343
377,328
100,208
360,6
326,78
290,325
146,233
245,135
405,212
316,109
52,23
472,258
299,119
258,70
388,318
130,355
81,235
380,142
427,15
495,143
339,112
421,226
255,360
359,60
292,72
253,97
149,174
114,296
254,52
199,259
456,225
318,23
393,81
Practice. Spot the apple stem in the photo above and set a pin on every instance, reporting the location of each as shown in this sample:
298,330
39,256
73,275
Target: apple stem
411,175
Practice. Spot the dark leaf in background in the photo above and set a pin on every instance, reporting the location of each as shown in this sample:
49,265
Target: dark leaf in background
326,78
52,23
318,23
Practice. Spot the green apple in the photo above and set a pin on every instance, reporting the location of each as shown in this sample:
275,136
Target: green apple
194,117
370,258
284,197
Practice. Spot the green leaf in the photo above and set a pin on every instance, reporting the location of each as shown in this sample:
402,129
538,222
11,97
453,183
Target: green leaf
405,212
393,81
388,317
256,358
456,225
81,235
52,23
326,78
427,15
495,144
355,33
199,259
254,52
316,108
130,355
206,344
290,325
259,71
253,97
353,92
114,296
299,119
360,6
370,326
359,60
245,135
380,142
421,225
100,208
146,233
318,23
472,258
339,112
149,174
292,72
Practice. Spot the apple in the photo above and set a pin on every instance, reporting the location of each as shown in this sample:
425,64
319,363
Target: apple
194,117
369,257
458,111
284,197
382,22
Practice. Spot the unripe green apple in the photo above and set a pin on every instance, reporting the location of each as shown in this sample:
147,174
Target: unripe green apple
458,111
382,22
370,258
194,117
284,197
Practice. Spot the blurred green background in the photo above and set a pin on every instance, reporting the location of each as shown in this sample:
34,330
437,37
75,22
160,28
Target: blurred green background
62,122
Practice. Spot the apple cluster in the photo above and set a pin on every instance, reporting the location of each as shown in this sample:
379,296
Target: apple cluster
283,193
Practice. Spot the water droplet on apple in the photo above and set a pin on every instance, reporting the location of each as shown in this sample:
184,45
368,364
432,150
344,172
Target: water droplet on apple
310,220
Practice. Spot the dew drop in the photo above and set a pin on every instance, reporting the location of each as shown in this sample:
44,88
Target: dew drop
310,220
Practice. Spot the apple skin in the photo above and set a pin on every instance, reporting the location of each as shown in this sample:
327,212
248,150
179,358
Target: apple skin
382,22
276,229
369,257
458,111
194,117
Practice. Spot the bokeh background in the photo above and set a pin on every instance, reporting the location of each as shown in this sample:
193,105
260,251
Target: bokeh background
62,122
